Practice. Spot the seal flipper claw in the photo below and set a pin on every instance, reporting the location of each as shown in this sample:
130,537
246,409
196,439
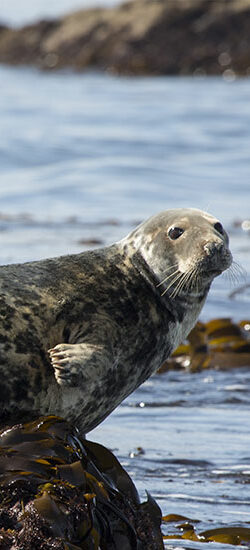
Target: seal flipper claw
71,362
64,360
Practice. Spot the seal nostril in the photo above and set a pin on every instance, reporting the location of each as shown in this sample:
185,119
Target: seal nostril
207,247
212,248
218,227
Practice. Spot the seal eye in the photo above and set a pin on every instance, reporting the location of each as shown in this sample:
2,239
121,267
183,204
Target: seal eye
218,227
175,232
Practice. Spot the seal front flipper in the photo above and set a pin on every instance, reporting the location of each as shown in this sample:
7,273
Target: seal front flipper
75,363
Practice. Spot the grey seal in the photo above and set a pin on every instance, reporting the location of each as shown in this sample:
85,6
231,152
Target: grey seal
80,332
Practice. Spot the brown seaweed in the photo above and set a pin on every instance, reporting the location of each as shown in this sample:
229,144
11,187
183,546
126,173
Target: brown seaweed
219,343
60,491
227,535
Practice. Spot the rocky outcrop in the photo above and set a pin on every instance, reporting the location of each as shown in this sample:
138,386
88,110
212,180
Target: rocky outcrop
140,37
60,491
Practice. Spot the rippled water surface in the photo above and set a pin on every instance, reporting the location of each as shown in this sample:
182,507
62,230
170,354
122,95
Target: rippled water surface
84,157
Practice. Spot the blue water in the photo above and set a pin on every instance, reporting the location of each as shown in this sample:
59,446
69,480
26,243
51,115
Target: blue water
87,156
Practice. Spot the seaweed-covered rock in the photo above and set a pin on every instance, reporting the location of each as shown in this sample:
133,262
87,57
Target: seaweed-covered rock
62,492
181,527
140,37
219,343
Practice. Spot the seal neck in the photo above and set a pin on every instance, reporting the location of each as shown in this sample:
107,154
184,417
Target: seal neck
149,276
176,307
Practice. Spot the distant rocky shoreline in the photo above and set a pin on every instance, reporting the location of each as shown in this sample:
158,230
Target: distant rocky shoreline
142,37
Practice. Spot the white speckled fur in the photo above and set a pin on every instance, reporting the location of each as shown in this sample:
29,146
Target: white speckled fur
108,317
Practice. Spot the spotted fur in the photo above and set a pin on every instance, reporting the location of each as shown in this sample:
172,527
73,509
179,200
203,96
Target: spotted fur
105,316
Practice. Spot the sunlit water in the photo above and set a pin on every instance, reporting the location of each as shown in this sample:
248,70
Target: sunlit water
85,157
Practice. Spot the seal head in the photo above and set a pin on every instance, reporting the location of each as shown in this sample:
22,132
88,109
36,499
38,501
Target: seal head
108,317
185,248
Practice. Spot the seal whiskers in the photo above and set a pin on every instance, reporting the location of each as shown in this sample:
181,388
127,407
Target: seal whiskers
180,280
236,272
183,281
178,277
175,274
188,280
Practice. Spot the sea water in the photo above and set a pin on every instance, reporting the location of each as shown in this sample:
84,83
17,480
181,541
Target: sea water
83,159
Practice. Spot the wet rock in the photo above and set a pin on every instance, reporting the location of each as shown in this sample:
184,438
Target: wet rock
91,242
186,37
60,491
219,343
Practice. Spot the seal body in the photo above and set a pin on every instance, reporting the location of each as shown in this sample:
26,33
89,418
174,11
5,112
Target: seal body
79,333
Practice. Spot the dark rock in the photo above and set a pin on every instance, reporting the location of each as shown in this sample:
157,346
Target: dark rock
141,37
59,491
91,242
